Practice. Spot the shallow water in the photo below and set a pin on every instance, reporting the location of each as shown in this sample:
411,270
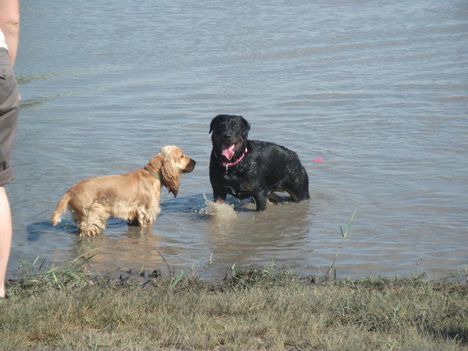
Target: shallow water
377,90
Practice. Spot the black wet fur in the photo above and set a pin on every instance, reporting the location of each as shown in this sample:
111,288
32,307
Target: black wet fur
265,167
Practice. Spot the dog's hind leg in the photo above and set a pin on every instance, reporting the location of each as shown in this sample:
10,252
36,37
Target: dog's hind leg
94,221
298,194
298,188
274,198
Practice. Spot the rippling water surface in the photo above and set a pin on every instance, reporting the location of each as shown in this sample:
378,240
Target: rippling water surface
378,90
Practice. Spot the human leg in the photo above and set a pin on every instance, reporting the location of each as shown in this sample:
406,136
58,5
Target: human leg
9,106
5,238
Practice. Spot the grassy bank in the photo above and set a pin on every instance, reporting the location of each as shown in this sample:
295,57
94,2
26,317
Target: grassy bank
255,309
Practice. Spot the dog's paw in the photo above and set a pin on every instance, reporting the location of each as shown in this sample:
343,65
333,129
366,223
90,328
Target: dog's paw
90,231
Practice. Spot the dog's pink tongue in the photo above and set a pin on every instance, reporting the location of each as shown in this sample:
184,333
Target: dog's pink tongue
228,151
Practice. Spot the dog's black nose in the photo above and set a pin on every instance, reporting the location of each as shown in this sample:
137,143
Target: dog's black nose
227,138
190,166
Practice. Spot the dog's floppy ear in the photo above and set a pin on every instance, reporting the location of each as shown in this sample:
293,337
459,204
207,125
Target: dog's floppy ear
216,120
170,177
245,124
212,124
155,164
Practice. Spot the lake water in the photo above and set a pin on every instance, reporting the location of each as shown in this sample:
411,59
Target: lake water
376,90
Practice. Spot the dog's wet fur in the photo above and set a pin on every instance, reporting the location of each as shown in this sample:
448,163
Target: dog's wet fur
134,196
250,168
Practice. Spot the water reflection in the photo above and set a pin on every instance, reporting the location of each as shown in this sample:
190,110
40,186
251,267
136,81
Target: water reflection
243,239
133,250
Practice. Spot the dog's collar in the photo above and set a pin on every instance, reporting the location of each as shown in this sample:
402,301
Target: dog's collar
232,164
156,175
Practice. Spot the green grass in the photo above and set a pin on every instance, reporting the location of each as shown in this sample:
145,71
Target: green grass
254,309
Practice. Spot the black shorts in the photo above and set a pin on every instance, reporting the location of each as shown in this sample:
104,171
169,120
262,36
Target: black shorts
9,108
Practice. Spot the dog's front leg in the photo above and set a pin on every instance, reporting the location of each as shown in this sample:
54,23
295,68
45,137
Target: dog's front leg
219,195
260,200
219,198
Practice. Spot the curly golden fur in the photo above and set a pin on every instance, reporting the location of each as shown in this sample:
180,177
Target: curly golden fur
133,196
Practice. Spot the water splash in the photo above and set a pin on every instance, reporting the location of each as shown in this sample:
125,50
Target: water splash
214,209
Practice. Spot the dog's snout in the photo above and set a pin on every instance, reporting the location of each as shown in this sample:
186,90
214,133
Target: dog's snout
190,166
228,138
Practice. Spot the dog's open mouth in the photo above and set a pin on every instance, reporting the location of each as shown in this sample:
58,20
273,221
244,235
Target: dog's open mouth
228,151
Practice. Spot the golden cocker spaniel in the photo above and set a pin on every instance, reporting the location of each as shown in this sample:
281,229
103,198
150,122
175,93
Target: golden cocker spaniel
133,196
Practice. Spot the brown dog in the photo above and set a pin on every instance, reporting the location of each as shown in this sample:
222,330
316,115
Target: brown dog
133,196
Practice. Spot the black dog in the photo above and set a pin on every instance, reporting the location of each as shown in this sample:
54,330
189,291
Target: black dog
251,168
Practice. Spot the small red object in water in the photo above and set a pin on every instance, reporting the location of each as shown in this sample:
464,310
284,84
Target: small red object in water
318,160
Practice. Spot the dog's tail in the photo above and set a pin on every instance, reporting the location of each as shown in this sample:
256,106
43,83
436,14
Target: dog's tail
60,209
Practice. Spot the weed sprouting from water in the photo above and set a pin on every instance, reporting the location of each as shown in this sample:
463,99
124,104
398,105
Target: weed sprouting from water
344,236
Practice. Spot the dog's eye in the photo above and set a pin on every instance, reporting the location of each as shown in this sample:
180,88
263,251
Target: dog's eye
234,125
